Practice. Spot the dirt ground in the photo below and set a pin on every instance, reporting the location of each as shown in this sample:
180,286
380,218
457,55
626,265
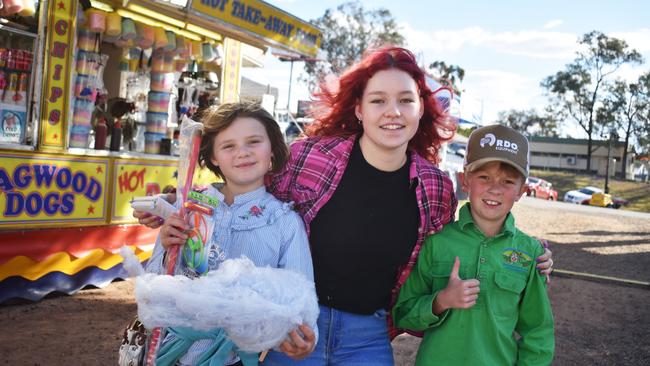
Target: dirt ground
597,322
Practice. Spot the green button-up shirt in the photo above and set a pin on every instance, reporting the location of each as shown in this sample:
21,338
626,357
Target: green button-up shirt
513,299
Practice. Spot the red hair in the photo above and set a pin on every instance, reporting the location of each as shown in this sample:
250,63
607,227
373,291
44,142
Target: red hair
335,105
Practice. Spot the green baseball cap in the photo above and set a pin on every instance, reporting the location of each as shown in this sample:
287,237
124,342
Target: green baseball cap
497,143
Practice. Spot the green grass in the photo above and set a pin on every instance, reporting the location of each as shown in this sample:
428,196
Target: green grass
636,192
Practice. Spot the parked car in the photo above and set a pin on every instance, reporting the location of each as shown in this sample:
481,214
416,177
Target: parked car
581,196
457,148
540,188
617,202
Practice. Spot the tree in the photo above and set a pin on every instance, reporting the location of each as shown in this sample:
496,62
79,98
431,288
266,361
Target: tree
643,128
577,90
348,31
625,109
449,75
530,122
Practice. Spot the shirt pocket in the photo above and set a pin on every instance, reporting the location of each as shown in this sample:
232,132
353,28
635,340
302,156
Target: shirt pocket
507,293
440,272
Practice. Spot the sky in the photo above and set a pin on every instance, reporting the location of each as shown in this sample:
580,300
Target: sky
506,47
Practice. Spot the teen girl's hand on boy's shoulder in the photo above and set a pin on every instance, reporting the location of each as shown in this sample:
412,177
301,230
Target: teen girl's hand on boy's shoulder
173,231
299,347
545,261
459,293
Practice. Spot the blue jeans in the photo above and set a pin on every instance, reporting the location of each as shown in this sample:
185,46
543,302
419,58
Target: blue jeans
345,339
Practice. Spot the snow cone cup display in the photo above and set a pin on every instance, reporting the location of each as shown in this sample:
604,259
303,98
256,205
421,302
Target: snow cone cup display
96,20
133,64
168,64
113,24
171,41
152,142
86,40
84,87
83,62
160,38
128,29
145,37
158,102
83,111
157,122
162,81
158,61
79,136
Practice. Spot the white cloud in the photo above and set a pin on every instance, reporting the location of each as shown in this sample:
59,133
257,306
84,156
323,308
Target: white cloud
553,23
493,91
493,88
639,40
630,73
532,44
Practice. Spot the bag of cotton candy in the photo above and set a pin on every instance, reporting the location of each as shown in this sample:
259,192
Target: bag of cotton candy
256,306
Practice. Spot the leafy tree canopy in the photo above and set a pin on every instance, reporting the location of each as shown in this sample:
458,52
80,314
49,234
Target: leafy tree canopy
449,75
579,89
348,31
530,122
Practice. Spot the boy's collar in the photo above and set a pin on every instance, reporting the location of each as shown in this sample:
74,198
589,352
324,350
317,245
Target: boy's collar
465,218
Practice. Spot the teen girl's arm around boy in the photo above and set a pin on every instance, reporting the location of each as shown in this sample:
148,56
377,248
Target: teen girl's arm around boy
535,321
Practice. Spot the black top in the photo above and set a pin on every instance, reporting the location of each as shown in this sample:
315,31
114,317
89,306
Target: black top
362,235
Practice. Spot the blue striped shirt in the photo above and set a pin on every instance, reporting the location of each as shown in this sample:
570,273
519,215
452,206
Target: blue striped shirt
256,225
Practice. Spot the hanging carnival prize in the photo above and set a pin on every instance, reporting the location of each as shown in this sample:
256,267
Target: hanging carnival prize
199,209
189,144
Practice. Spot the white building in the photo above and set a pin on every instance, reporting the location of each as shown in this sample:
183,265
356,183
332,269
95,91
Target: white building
553,153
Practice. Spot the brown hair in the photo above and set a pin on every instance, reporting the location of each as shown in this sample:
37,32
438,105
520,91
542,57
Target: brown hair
217,118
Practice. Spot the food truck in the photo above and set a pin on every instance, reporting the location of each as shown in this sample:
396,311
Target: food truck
91,95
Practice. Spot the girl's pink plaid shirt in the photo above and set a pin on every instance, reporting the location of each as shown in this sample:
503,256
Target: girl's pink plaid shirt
316,167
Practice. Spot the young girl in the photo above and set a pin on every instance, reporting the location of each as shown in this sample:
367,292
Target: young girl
241,143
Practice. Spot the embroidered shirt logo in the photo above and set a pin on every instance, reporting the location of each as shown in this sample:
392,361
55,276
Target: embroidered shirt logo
254,211
516,259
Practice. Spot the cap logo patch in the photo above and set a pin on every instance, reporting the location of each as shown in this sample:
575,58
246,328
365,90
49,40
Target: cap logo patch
489,139
501,145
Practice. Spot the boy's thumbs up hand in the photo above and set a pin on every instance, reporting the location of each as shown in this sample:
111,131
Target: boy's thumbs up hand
454,270
459,293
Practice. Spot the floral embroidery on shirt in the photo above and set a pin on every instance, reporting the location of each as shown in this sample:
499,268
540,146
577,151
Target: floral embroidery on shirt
254,211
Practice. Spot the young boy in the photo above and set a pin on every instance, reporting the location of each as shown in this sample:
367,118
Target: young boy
475,291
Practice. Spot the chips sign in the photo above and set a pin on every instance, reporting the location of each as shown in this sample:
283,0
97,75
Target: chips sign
56,84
